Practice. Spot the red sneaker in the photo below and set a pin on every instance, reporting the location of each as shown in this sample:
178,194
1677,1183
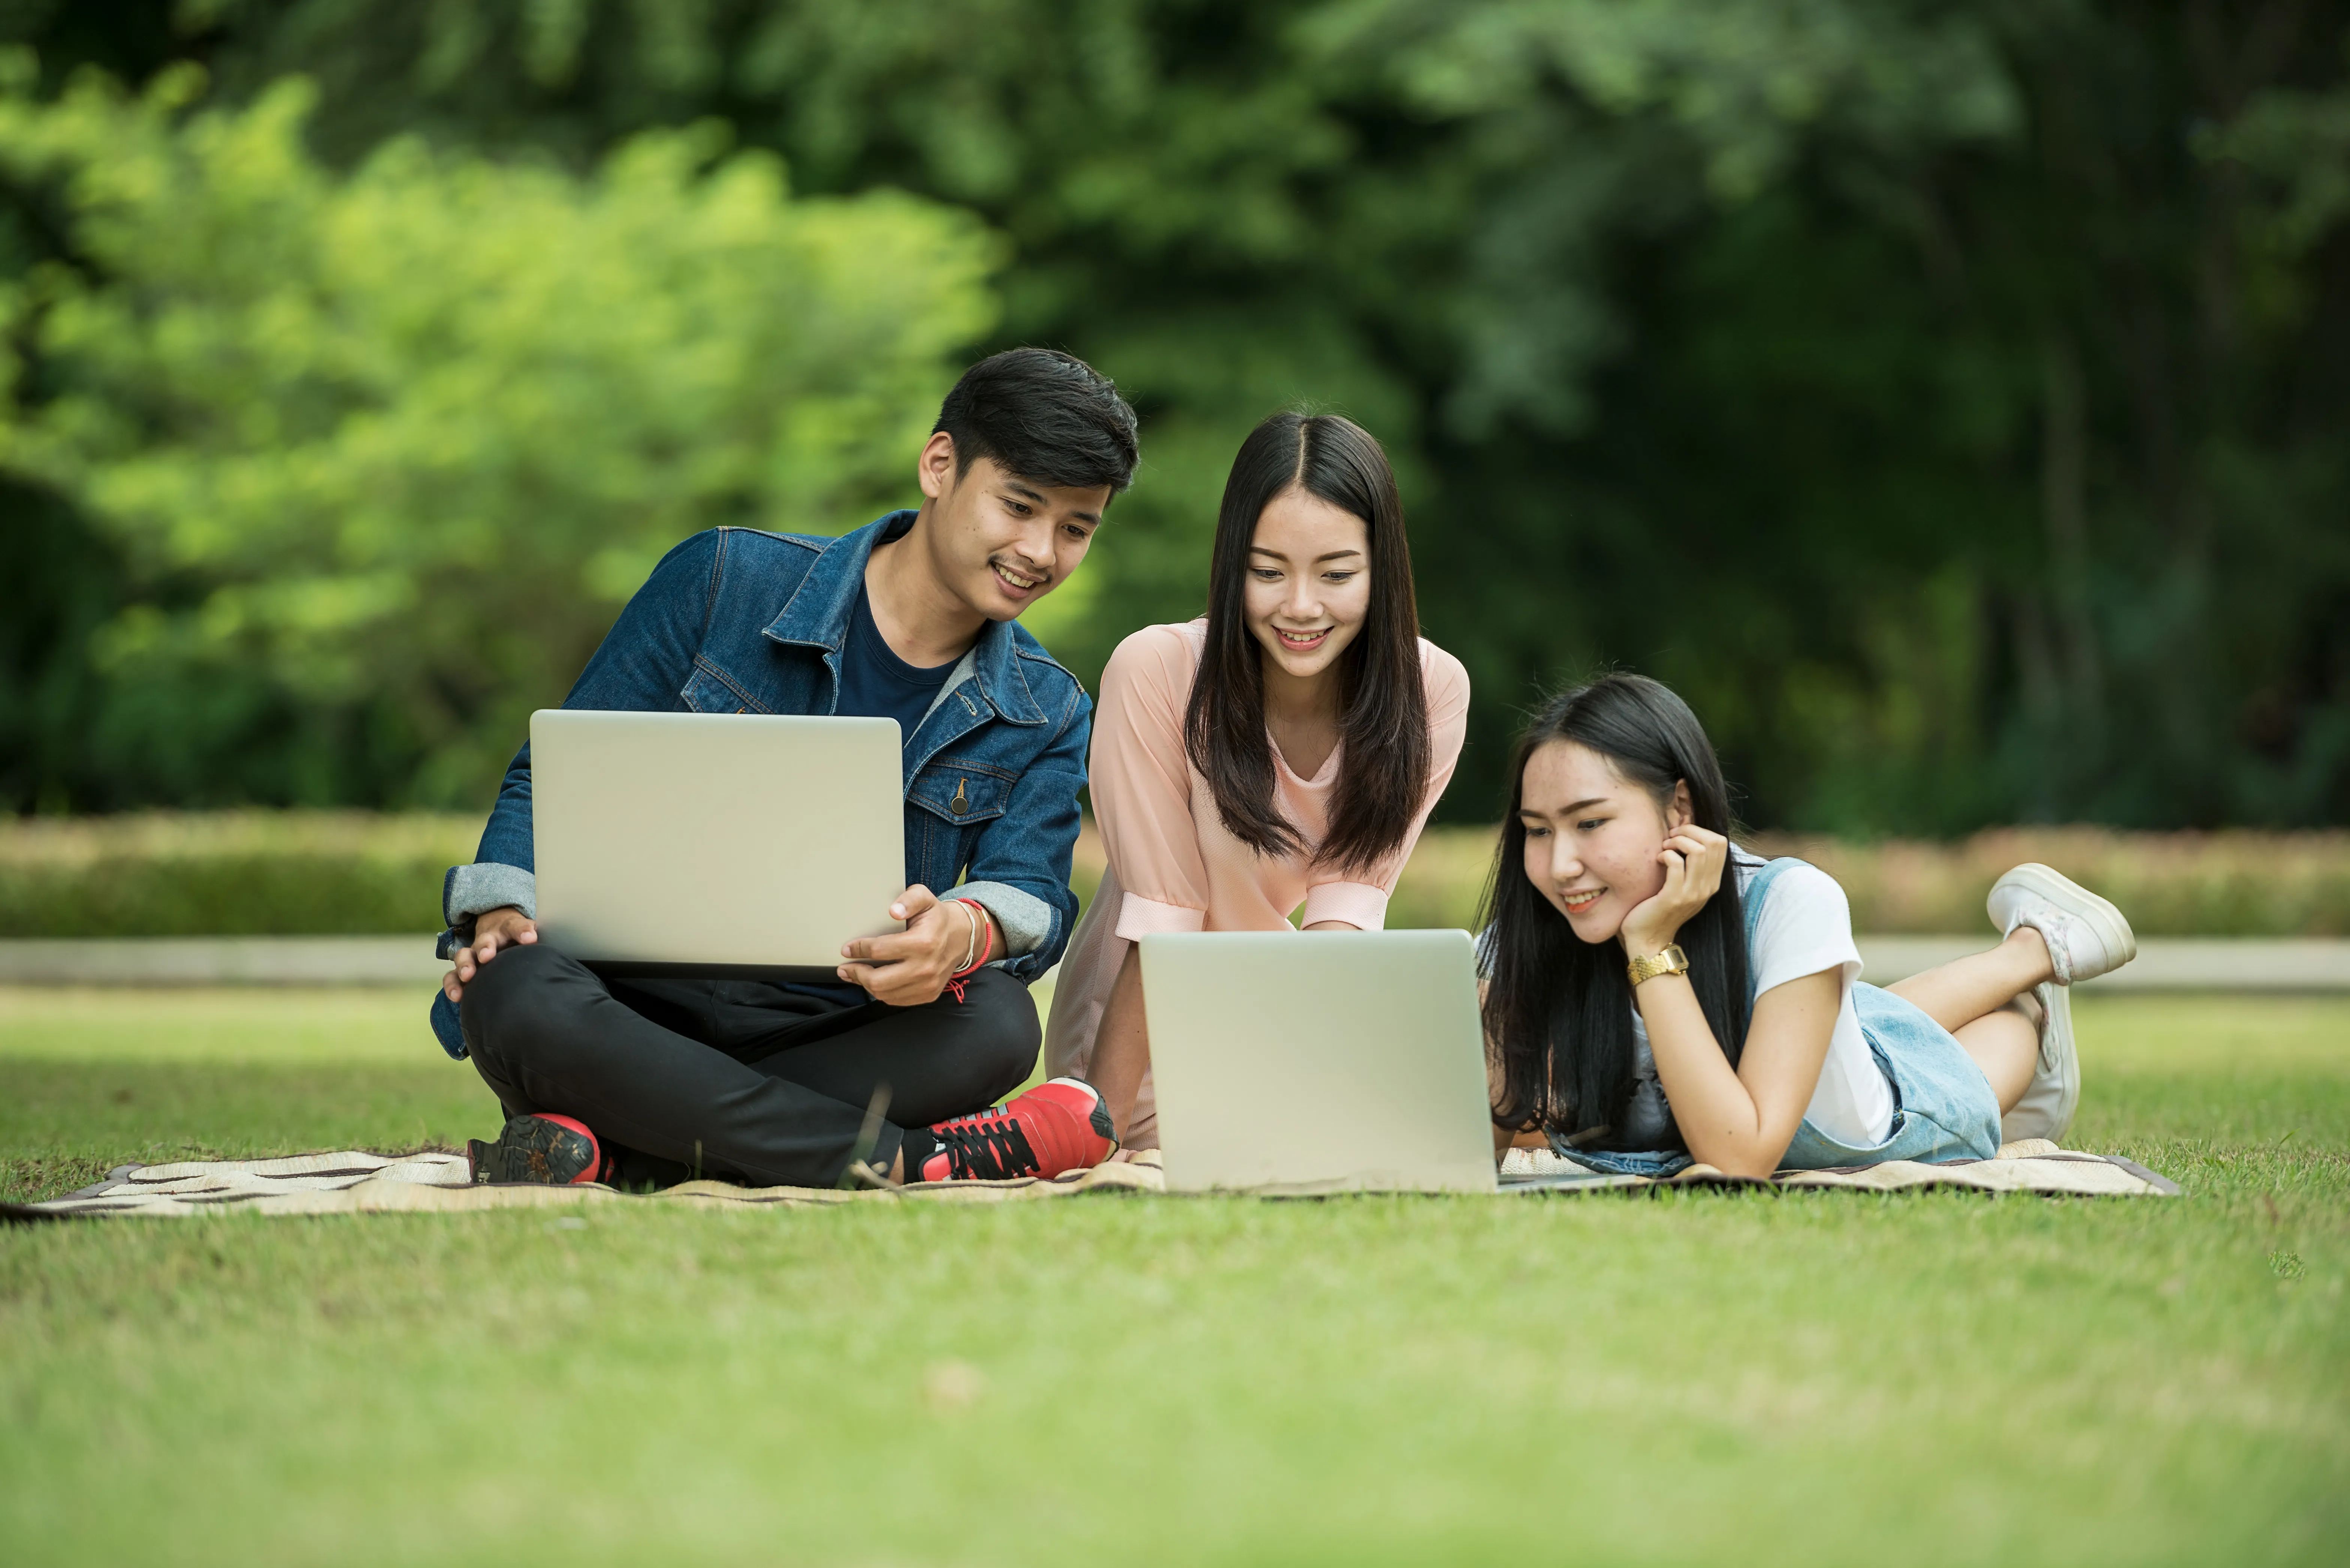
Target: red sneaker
1057,1125
550,1152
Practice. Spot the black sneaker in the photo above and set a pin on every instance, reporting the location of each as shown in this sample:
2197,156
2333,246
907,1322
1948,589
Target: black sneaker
544,1150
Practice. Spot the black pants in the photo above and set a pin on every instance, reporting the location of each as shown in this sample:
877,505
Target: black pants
743,1081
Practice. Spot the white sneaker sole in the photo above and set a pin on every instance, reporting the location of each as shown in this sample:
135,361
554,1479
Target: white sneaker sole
2049,1101
2112,929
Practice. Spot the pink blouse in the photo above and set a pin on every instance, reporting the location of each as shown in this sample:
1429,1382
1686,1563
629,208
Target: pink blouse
1173,865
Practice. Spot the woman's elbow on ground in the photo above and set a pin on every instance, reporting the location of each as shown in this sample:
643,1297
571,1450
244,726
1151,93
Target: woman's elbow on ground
1758,1158
1743,1150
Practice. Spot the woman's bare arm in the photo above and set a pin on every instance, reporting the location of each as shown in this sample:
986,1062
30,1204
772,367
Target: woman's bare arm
1740,1122
1737,1121
1122,1042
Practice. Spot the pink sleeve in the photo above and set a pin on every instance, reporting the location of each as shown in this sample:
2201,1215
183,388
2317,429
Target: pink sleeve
1360,897
1142,784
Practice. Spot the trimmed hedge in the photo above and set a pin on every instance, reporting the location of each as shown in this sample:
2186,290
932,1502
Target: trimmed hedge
2227,884
246,873
331,873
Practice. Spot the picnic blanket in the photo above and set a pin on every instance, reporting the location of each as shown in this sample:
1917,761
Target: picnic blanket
2033,1165
350,1182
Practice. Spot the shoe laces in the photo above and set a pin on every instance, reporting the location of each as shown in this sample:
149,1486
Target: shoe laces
2059,931
990,1146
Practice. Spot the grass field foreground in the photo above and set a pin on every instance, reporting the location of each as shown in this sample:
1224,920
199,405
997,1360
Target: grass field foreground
1822,1378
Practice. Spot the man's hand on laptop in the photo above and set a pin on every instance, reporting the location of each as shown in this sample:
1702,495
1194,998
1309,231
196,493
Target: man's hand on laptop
908,967
492,928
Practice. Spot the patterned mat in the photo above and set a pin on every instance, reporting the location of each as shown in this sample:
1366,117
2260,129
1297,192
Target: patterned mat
2033,1165
350,1182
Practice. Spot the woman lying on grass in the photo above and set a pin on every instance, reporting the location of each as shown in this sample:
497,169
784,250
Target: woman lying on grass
1657,995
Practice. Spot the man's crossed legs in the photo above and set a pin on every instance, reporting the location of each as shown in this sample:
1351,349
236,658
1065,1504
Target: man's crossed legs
757,1084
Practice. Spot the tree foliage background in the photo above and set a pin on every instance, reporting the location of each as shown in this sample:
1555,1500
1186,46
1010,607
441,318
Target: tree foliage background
410,437
1949,398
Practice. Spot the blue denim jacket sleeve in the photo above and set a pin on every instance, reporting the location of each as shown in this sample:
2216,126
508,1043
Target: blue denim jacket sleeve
642,665
1029,848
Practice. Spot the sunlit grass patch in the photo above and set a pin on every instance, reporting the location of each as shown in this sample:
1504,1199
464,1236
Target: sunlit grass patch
92,1079
1822,1378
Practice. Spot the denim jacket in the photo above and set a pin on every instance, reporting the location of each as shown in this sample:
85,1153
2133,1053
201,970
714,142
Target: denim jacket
735,621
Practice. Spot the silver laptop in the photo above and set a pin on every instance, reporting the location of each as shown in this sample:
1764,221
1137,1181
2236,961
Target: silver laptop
1329,1062
729,842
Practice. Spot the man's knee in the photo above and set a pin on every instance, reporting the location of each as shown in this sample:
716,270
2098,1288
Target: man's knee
519,996
1004,1031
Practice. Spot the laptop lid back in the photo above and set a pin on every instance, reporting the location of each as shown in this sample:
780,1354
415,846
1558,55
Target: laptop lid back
750,841
1328,1062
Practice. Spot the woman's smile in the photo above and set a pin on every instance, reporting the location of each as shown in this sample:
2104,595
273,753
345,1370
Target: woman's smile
1303,641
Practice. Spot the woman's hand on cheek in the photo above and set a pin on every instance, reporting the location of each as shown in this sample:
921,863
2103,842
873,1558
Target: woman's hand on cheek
1694,859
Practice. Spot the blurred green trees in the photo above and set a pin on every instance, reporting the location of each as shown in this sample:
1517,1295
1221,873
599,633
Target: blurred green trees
408,437
1948,397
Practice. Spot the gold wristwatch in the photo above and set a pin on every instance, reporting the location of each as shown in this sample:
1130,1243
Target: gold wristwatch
1672,960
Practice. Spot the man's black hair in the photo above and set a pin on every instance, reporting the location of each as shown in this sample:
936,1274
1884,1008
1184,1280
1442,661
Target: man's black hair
1048,417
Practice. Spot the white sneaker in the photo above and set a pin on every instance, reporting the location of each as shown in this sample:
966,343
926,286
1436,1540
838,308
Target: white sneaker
2054,1092
2086,936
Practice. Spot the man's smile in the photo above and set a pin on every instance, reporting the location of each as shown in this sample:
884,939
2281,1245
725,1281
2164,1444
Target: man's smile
1015,580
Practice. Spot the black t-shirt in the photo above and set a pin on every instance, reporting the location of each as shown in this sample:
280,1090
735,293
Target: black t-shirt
876,683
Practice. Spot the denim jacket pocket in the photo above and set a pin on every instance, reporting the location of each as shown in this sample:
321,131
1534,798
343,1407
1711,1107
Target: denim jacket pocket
961,792
709,690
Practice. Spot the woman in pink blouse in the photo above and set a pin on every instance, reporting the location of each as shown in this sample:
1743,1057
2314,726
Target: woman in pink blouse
1282,750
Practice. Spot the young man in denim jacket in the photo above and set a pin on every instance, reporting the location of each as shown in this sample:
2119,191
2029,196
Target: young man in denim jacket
911,618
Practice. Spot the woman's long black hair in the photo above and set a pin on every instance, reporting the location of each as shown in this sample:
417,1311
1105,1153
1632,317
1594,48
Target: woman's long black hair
1384,731
1557,1009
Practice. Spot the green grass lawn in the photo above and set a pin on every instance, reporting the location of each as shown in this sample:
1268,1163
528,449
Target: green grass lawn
1734,1377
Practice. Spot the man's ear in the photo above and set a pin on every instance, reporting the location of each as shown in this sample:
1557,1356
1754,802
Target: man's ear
934,471
1683,813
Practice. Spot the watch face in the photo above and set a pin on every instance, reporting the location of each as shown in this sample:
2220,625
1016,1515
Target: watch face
1670,961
